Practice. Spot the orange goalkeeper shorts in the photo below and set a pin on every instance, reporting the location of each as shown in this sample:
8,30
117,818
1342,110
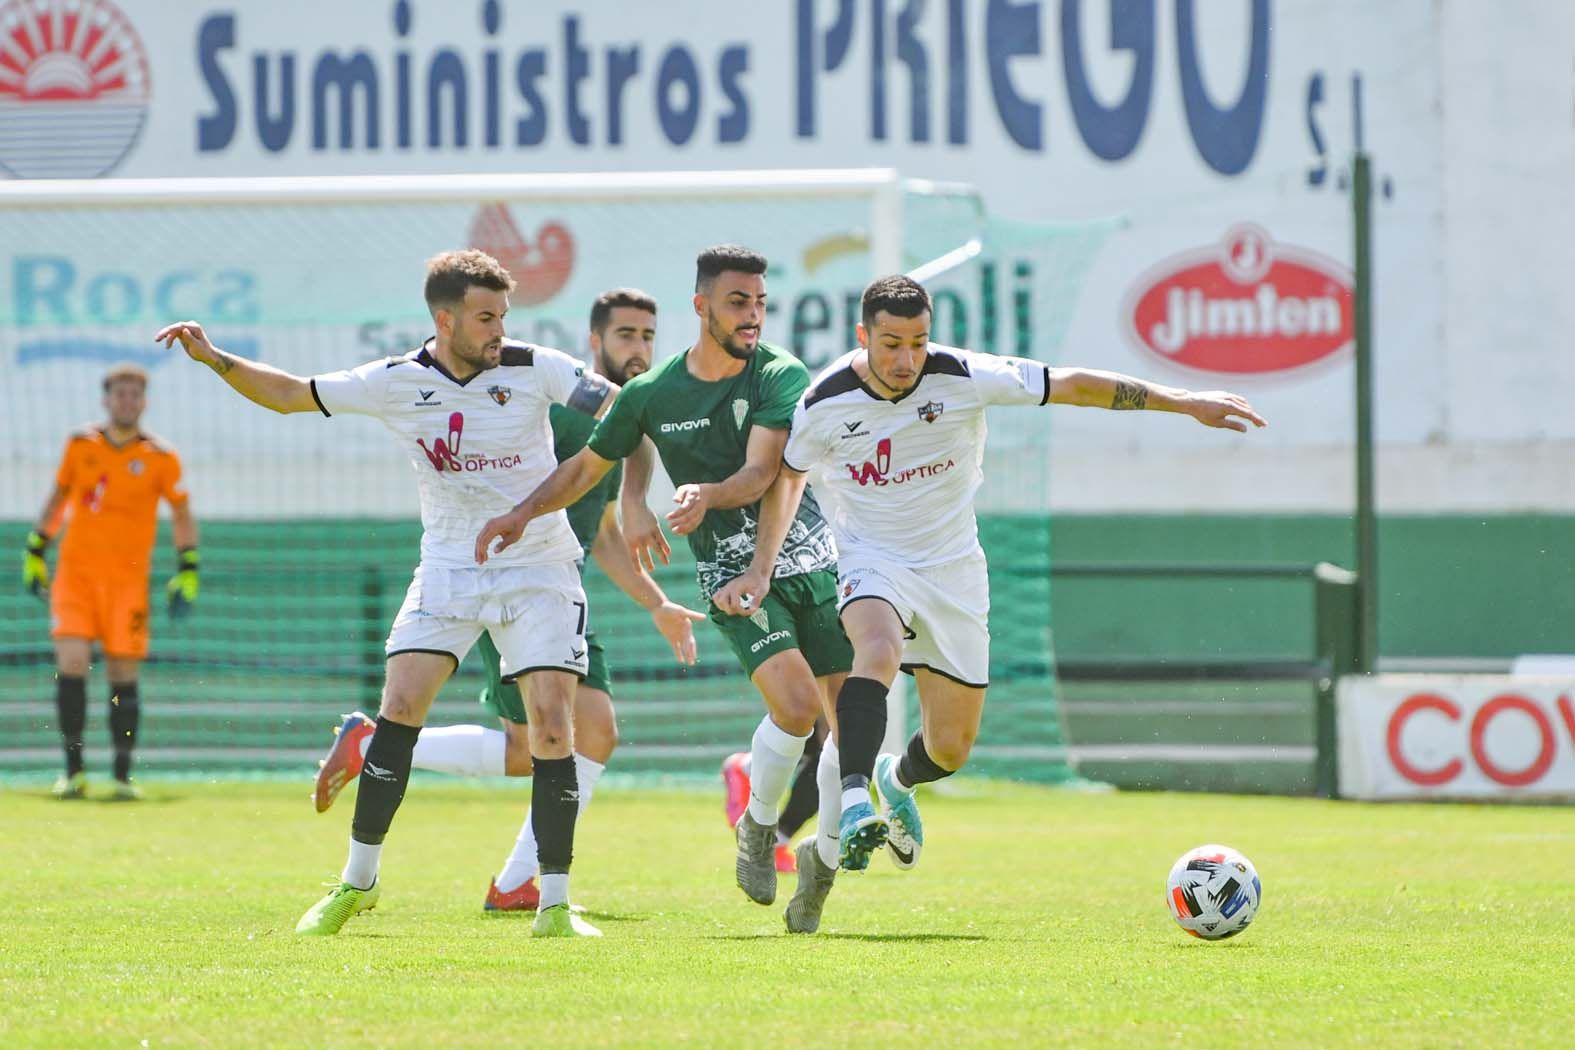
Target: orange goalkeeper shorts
112,610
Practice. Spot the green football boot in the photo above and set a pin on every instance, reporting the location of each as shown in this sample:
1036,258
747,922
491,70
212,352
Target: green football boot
126,791
72,787
560,921
328,916
906,836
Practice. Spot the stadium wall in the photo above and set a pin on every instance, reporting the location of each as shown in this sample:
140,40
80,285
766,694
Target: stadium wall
1218,133
283,641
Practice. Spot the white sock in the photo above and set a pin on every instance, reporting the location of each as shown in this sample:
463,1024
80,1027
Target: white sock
853,796
522,864
773,755
554,890
361,867
467,751
828,778
896,786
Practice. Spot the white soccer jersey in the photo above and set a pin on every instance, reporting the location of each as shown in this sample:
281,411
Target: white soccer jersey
901,475
478,447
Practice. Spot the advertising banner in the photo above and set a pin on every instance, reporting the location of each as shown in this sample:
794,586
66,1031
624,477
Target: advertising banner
1215,137
1491,737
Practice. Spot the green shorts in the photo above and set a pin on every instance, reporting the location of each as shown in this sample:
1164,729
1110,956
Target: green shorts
503,698
799,613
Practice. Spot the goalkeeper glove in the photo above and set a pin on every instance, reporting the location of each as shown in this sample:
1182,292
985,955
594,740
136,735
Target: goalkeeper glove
35,571
182,588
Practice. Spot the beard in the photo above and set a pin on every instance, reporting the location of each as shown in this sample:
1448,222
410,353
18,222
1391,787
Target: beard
632,367
471,354
735,349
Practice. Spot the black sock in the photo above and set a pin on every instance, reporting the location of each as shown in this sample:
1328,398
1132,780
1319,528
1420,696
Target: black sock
383,778
554,806
804,796
861,724
917,767
125,711
71,709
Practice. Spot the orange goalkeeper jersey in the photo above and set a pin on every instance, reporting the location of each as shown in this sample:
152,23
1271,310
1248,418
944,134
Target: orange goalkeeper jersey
113,500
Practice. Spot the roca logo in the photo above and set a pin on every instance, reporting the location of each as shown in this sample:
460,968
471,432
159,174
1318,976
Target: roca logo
1247,305
74,88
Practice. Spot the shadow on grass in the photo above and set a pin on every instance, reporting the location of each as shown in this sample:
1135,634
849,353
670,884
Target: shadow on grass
46,795
892,938
589,914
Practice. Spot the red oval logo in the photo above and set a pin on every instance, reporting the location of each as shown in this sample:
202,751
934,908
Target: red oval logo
1246,306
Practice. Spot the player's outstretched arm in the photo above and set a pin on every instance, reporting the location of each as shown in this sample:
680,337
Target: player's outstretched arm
268,386
1098,389
642,533
762,460
673,620
573,478
743,594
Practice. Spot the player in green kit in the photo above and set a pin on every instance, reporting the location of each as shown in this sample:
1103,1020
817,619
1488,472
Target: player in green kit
622,336
719,414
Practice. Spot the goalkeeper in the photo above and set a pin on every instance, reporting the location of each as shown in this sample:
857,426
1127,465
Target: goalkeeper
107,492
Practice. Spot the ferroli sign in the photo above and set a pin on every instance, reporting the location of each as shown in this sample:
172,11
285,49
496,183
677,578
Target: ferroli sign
1246,305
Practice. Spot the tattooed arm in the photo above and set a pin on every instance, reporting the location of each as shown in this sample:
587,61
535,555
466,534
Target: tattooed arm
1097,389
269,387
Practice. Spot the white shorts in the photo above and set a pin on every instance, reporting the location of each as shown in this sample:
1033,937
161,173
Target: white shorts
535,614
945,610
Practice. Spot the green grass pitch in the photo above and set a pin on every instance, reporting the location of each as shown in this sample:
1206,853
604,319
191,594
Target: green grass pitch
1036,919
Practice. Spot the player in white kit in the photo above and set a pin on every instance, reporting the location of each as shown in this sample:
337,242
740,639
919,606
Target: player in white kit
897,428
470,408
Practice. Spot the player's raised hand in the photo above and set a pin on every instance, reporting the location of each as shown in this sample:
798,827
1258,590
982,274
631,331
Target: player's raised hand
692,504
677,625
1221,408
192,339
505,528
643,535
742,595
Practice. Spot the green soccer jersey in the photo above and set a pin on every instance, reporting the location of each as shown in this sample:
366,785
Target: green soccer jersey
570,430
701,431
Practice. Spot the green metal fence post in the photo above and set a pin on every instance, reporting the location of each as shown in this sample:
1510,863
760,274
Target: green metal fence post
1337,609
1366,505
371,638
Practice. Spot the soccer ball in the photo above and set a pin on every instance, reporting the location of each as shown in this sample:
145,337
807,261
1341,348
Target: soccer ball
1213,892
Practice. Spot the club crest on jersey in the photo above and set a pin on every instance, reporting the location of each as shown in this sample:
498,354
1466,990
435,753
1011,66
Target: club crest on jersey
500,394
740,410
930,411
134,467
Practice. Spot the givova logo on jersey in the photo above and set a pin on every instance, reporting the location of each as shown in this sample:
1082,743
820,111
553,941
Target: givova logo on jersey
444,453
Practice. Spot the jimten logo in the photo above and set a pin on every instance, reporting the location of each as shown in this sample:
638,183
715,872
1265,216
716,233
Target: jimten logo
74,88
1244,306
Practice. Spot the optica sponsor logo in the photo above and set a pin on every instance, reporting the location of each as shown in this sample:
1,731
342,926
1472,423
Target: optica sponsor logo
1244,306
540,264
74,88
